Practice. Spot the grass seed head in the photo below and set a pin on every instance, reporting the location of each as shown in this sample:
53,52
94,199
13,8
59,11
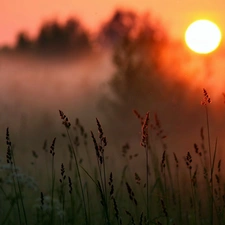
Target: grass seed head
197,149
52,148
42,200
144,136
9,147
188,160
137,178
131,194
163,165
217,178
100,131
219,166
65,120
176,160
62,173
70,185
101,134
34,154
206,99
116,210
138,116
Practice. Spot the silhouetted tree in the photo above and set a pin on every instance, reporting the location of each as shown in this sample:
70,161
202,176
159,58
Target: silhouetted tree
77,37
121,24
71,36
140,81
50,37
23,42
138,59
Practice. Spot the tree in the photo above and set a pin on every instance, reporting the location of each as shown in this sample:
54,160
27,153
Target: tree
140,81
137,60
50,37
23,42
121,24
77,37
71,36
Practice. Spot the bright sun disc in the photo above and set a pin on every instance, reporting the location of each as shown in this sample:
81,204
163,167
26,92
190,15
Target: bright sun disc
203,36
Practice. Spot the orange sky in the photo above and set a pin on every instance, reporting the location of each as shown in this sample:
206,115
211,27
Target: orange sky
16,15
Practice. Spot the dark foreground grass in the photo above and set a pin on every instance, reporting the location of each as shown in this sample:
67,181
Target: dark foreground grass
80,190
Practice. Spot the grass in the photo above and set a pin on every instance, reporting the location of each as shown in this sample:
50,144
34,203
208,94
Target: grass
84,191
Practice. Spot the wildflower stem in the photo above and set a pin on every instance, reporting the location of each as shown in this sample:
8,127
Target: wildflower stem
52,191
147,182
208,133
79,176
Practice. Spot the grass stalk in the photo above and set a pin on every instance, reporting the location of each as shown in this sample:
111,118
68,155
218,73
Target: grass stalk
11,161
79,176
52,152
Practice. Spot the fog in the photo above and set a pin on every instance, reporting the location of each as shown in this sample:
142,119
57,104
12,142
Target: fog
33,89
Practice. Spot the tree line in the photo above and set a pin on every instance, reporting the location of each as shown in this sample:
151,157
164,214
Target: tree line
72,36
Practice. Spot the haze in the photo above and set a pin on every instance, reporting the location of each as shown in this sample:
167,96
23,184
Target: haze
33,89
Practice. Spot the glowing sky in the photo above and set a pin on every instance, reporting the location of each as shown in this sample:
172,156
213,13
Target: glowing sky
176,15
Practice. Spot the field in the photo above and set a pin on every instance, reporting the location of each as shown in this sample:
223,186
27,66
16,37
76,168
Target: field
84,185
122,126
73,152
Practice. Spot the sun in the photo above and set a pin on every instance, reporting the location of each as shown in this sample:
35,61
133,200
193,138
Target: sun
203,36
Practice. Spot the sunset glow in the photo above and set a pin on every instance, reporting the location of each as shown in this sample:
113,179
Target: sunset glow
26,15
203,36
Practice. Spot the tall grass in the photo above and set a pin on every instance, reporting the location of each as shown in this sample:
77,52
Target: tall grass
81,190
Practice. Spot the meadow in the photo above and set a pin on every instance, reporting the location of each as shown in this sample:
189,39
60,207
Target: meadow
110,140
81,183
129,132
